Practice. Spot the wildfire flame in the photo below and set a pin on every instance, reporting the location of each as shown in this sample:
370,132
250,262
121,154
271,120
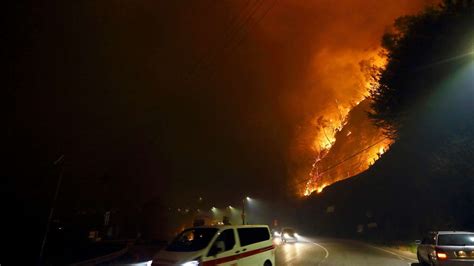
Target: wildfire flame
322,173
329,80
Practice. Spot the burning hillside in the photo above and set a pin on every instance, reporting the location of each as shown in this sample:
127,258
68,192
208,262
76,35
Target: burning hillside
360,143
346,142
331,79
342,140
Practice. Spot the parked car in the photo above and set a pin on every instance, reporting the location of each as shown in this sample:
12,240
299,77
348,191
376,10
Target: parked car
288,234
447,248
220,245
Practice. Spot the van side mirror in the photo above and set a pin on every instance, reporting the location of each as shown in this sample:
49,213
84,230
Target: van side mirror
417,242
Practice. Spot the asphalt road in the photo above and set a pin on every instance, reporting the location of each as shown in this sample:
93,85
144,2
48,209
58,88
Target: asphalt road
313,251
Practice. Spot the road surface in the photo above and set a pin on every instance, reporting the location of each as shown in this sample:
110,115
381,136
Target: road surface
313,251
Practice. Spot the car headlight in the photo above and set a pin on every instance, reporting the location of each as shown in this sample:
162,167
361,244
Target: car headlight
190,263
276,234
286,235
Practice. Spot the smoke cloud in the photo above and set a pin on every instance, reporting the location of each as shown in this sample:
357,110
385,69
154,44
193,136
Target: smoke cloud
181,98
321,50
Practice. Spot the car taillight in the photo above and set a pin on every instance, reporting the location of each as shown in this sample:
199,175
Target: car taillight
441,255
461,254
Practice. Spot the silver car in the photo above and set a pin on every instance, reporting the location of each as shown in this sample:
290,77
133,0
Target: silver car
447,248
289,235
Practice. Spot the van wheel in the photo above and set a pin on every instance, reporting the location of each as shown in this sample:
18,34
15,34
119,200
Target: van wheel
267,263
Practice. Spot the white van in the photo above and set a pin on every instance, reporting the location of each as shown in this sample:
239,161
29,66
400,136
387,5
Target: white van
220,245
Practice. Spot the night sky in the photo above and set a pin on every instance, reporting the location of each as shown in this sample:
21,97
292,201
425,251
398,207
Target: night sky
177,99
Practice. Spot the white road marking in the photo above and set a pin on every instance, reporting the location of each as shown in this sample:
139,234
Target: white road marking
393,253
325,250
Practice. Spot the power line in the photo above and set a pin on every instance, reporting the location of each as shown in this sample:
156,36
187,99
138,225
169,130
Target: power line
241,30
346,159
249,29
233,21
232,32
353,155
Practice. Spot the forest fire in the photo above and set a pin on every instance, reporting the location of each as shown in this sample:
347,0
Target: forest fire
359,146
328,80
361,152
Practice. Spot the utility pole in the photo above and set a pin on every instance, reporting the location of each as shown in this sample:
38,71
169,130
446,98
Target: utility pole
243,211
51,211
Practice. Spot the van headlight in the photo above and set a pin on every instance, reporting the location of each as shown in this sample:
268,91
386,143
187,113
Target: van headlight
191,263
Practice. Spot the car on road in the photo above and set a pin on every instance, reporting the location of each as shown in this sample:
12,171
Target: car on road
288,234
447,248
250,245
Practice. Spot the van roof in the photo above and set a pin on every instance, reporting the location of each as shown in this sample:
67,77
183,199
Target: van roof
453,232
232,226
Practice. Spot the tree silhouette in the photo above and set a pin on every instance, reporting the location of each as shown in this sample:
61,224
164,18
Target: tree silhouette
422,50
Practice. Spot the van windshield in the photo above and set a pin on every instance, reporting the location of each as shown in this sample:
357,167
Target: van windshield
192,239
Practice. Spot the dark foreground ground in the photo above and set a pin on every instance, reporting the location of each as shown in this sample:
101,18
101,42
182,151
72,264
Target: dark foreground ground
319,251
308,251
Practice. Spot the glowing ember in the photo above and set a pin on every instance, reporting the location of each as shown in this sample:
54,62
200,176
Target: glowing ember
320,189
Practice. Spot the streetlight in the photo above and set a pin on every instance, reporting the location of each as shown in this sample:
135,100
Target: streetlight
243,208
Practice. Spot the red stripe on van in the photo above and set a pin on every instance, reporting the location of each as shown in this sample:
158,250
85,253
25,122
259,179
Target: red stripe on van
237,256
